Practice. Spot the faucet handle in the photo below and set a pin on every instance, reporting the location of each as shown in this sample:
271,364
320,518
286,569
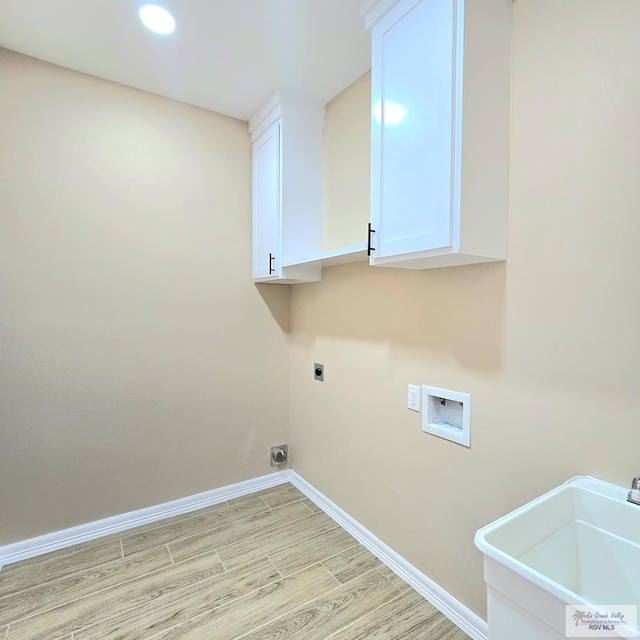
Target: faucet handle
634,494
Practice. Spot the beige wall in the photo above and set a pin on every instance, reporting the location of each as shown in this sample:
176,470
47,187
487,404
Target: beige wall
345,177
138,362
547,344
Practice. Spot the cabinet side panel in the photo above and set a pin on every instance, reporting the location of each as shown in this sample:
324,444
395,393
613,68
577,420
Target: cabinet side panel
485,127
301,191
376,131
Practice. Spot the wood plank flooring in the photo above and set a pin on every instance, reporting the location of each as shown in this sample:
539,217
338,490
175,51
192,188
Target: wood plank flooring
269,566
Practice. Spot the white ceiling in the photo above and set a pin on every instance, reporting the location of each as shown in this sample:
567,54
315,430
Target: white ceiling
225,55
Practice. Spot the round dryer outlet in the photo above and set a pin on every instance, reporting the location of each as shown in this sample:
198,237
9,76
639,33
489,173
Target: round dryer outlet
279,455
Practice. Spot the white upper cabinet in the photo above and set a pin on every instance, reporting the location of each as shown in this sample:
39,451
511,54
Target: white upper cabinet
286,139
439,131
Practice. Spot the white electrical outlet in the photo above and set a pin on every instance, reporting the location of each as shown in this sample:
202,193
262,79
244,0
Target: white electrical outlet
413,398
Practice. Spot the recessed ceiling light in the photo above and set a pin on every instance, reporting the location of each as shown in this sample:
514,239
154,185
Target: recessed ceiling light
157,19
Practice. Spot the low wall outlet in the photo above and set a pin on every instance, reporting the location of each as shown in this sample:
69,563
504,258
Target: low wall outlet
413,397
279,455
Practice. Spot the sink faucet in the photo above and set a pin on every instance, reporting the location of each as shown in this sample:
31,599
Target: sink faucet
634,494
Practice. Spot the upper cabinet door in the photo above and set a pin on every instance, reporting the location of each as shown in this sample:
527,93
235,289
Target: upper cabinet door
413,138
439,131
266,204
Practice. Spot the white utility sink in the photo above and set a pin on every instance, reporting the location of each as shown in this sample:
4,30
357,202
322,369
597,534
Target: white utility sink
578,544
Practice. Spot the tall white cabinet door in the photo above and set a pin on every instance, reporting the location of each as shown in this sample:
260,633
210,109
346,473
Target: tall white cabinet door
413,194
266,203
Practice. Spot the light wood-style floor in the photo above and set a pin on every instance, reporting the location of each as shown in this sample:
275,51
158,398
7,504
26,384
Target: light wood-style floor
268,566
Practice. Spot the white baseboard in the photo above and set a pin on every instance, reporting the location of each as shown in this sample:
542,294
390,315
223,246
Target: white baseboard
474,626
469,622
92,530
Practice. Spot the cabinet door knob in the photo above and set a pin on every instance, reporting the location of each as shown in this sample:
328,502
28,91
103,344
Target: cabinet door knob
271,261
369,232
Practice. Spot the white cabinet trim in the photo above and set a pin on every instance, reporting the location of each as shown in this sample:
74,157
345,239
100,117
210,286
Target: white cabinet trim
288,106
